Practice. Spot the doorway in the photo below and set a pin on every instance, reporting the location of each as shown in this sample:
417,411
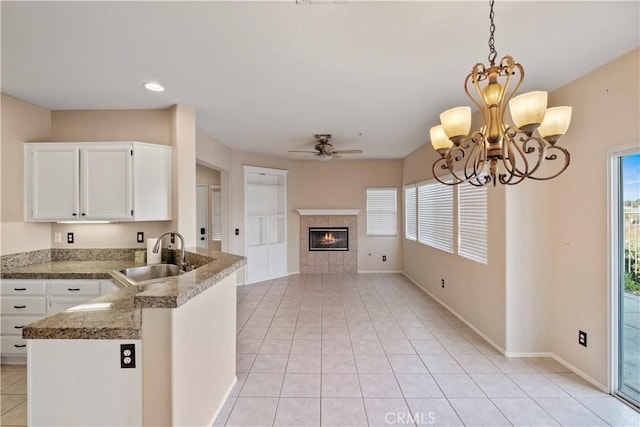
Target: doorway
209,208
625,277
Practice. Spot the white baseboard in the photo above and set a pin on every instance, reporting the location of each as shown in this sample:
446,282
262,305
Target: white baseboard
221,405
528,354
462,319
579,373
380,272
558,359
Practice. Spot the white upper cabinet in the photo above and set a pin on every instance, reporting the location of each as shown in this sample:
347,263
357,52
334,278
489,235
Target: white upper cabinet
52,183
119,181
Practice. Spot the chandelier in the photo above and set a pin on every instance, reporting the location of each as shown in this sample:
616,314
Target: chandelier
498,152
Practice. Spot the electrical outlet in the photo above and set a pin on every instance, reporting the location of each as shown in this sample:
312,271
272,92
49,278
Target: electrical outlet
442,282
57,237
384,257
127,356
69,237
237,232
140,237
582,338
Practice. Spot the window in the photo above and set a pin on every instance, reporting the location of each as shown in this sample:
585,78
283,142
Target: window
410,210
216,214
435,215
472,222
382,212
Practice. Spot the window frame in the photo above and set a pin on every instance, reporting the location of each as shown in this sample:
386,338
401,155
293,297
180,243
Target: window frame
372,214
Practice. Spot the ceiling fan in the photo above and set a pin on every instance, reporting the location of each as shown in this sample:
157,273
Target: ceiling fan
324,149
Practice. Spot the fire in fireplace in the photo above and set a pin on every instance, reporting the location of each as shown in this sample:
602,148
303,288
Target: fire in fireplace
328,239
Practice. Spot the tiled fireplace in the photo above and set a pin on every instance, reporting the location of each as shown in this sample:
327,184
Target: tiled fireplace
329,255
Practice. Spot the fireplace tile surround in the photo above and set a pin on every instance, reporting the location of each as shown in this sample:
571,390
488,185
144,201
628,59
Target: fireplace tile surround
317,262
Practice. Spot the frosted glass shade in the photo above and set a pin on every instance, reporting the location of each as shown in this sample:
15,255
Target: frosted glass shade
456,121
528,108
439,139
556,122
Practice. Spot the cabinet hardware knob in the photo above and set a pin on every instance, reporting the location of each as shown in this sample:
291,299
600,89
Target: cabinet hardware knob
18,327
19,289
19,306
19,345
73,289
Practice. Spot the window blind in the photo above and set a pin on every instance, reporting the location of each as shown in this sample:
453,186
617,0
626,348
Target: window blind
216,216
382,212
472,222
410,211
435,216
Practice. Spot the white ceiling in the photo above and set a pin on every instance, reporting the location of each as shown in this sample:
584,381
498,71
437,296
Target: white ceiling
264,76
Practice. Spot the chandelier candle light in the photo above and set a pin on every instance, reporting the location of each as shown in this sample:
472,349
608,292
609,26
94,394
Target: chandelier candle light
498,153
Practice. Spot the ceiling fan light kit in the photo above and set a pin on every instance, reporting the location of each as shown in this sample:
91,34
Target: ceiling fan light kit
499,153
324,150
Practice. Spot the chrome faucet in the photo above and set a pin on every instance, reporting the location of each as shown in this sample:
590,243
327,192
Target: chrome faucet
183,259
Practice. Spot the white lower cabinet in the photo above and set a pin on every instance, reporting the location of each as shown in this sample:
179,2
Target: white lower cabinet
27,301
23,302
64,294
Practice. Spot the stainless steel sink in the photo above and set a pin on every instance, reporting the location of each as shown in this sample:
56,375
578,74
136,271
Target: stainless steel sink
148,273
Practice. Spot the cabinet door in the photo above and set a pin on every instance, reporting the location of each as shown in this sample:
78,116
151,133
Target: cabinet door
106,183
257,263
52,182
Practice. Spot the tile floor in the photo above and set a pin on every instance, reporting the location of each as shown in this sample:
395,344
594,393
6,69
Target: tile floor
373,349
13,380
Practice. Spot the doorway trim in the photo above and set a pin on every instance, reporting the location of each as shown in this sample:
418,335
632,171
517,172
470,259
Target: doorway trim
613,259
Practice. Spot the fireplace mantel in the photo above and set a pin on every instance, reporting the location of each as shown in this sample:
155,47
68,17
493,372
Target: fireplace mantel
306,212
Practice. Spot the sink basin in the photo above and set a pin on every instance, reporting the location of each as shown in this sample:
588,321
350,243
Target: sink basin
148,273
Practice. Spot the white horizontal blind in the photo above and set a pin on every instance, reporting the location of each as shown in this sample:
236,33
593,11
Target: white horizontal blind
216,216
472,222
410,211
382,212
435,216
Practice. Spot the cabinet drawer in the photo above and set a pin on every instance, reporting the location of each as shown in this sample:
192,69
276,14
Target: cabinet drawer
24,305
24,287
12,325
58,304
13,345
74,288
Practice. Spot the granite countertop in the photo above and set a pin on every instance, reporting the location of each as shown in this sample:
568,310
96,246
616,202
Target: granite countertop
68,270
118,315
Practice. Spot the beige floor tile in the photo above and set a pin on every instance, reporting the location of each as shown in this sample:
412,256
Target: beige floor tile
10,401
16,416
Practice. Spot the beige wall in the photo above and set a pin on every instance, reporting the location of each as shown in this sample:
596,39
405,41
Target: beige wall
152,126
606,114
342,184
206,175
475,291
183,137
21,122
212,153
547,271
339,184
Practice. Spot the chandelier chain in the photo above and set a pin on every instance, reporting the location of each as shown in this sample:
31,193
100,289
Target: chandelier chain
492,30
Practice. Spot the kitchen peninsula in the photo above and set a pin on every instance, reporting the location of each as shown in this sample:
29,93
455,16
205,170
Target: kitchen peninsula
162,353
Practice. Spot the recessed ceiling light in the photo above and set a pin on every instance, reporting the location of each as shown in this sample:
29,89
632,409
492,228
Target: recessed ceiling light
155,87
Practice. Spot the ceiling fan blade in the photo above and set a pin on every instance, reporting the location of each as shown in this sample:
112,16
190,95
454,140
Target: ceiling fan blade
347,151
303,151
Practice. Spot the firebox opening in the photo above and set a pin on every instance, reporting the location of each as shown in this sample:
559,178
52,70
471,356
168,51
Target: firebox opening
328,239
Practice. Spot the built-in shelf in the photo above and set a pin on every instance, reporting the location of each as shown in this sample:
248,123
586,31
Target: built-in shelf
306,212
